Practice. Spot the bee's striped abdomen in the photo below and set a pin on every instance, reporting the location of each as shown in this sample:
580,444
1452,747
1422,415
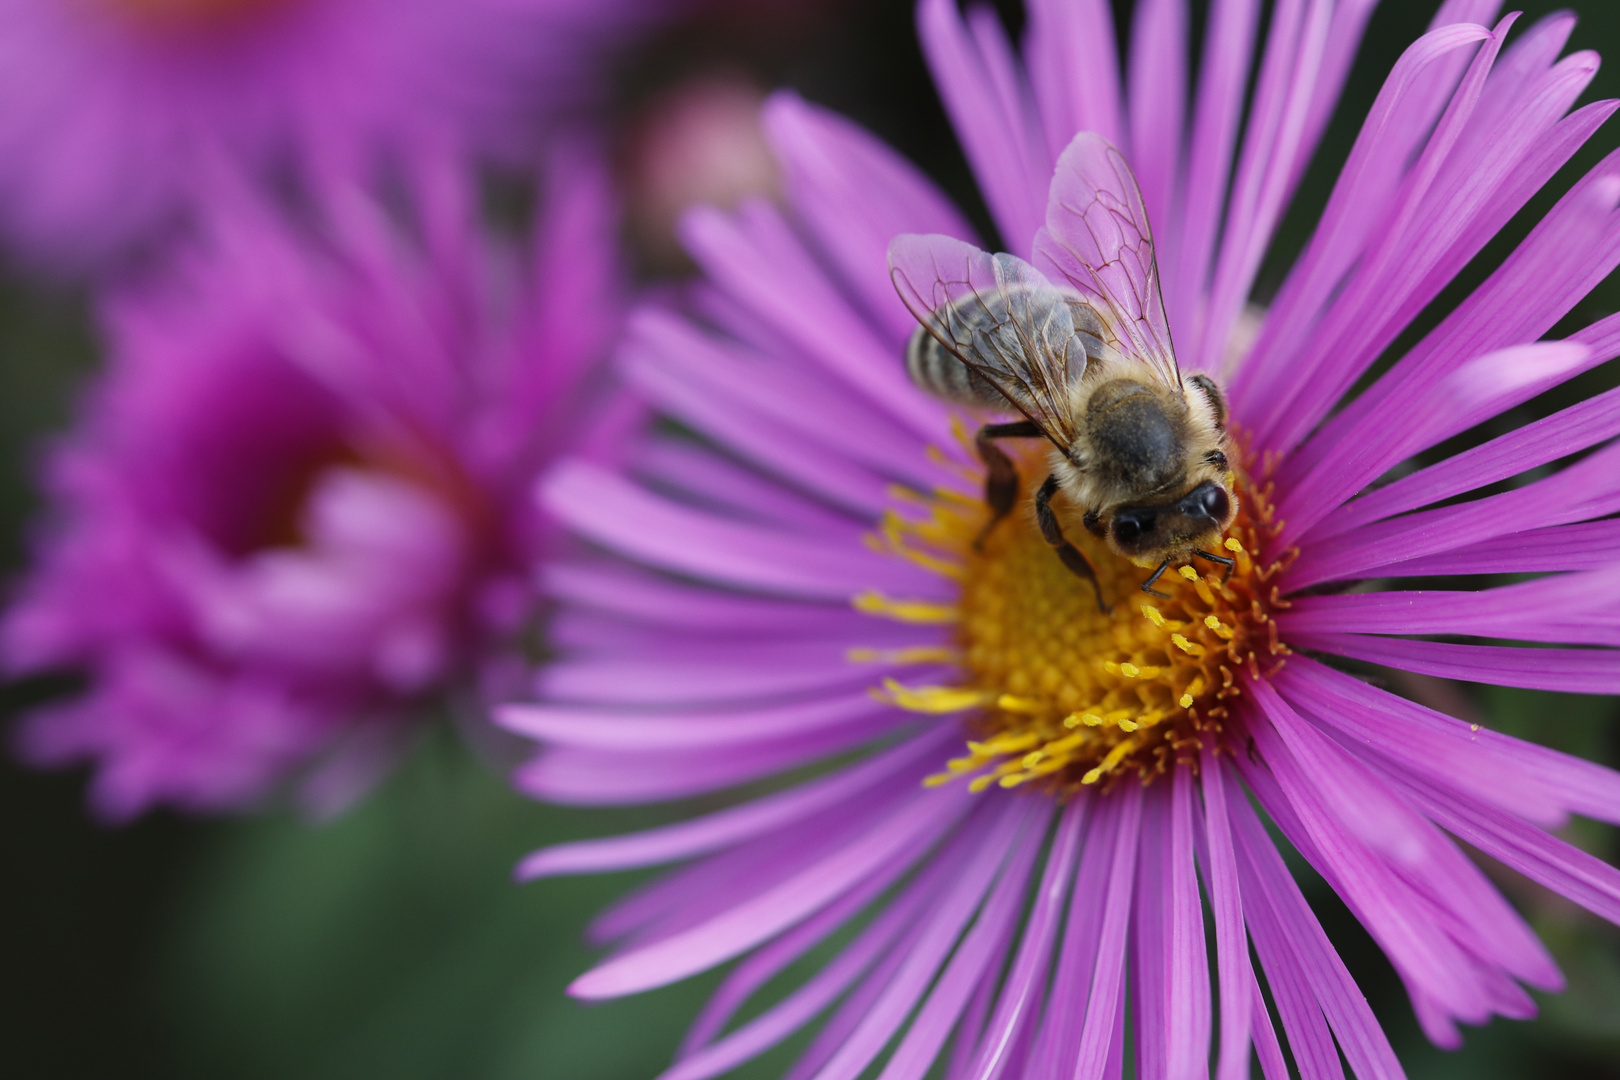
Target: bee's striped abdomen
935,370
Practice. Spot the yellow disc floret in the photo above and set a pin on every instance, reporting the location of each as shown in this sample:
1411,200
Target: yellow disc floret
1056,692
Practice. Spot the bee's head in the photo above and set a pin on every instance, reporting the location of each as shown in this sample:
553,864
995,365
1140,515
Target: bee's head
1156,532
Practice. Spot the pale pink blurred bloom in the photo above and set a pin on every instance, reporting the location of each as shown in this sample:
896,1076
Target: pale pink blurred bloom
699,143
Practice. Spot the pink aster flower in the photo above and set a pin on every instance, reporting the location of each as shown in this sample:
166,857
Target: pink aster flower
295,509
113,106
1021,810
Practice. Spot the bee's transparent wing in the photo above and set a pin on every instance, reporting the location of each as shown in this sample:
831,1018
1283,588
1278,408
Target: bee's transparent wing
1003,319
1097,240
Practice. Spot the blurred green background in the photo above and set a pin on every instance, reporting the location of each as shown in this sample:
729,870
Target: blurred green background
391,942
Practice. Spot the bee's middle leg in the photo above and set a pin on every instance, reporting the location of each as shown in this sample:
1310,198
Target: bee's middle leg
1071,556
1001,475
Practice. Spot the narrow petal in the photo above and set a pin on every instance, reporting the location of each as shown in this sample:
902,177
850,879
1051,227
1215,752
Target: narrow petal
1569,608
1101,1033
1017,1005
855,1008
1570,671
1299,959
1149,947
1217,110
1074,97
1393,280
1266,1048
716,674
1158,98
1568,252
1267,161
1340,851
1401,115
1589,489
696,473
1500,945
703,399
1343,40
1057,1040
1346,793
725,828
610,510
1226,905
791,1014
921,967
1590,545
815,407
1453,914
733,931
595,778
1529,447
856,194
1534,782
702,1055
1085,939
610,730
756,257
992,121
970,1029
683,898
1310,1041
1560,866
1479,390
975,960
1170,965
638,596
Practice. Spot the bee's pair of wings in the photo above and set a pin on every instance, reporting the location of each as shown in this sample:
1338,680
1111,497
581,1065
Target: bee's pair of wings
1091,295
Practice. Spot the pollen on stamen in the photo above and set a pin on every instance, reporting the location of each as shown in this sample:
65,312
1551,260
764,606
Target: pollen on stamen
920,654
1191,648
932,699
872,602
1055,695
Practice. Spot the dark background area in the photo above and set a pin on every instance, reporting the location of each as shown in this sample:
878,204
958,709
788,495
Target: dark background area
391,942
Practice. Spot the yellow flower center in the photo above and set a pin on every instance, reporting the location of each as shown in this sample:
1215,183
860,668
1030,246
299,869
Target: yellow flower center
1055,690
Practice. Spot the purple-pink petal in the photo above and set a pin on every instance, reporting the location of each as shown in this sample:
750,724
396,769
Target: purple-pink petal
959,903
1016,1011
1570,671
979,949
759,918
1219,862
856,194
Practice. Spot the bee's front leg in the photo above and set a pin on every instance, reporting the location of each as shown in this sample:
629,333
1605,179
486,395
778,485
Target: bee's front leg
1221,560
1147,586
1072,556
1001,475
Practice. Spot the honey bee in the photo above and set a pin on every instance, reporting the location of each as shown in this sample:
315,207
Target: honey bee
1083,352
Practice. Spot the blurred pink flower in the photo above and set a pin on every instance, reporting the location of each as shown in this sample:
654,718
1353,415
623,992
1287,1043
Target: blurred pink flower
296,505
113,105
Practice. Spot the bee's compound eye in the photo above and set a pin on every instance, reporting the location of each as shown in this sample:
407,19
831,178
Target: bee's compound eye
1212,501
1129,525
